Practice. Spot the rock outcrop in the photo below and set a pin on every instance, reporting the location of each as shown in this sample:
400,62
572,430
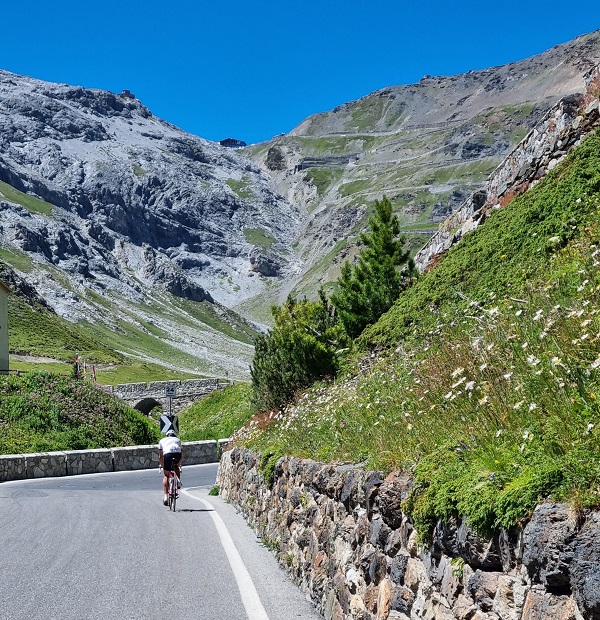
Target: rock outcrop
340,533
563,128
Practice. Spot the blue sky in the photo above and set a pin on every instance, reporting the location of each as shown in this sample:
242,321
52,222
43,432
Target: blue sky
251,70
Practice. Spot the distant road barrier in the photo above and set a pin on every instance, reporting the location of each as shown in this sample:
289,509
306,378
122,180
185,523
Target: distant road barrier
74,462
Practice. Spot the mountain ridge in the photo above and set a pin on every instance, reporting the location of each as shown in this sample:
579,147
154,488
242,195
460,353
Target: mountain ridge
112,214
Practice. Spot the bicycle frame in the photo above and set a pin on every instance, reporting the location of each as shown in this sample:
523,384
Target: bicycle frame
172,490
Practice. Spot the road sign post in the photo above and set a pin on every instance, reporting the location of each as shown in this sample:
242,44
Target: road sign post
170,392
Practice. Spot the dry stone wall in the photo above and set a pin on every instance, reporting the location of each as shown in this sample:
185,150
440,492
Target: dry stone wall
563,127
341,534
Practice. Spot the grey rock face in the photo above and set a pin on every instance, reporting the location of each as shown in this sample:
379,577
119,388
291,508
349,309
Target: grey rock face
585,568
546,545
117,176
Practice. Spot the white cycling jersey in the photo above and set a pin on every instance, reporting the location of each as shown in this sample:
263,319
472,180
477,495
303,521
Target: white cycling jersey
169,445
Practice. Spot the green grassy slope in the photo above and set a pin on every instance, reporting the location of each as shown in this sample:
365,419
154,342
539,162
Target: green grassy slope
218,415
35,330
44,412
487,373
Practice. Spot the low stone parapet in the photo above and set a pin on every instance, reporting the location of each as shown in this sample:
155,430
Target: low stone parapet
89,462
46,465
13,467
99,461
199,452
135,457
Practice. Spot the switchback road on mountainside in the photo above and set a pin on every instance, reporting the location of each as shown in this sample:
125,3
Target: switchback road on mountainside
104,547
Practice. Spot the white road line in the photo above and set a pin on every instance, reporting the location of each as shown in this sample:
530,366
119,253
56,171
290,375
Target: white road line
250,598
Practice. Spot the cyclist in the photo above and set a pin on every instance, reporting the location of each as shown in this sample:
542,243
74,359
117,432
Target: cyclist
169,458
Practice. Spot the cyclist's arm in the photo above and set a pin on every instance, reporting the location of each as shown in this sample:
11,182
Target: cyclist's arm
160,457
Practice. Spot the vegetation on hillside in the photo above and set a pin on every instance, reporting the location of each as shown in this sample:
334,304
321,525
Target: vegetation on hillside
218,415
303,346
42,412
38,331
308,338
370,287
485,375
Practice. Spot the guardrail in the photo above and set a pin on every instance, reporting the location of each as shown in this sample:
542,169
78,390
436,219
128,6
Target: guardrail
74,462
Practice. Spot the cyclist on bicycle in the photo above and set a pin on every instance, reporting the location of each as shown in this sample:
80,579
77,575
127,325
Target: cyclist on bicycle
169,458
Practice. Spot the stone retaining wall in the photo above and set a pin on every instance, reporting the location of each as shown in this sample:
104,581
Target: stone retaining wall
340,533
563,127
68,463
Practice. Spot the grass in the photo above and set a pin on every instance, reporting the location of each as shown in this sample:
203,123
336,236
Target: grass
32,204
241,188
45,412
217,415
17,259
259,238
130,371
484,379
323,178
37,331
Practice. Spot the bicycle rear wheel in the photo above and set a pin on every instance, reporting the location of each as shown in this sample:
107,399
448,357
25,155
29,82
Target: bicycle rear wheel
173,492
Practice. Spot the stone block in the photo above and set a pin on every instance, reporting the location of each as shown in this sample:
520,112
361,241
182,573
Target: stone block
135,457
89,461
540,604
585,569
13,467
546,540
46,465
198,452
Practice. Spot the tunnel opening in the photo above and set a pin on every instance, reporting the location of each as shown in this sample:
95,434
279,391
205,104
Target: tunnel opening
146,405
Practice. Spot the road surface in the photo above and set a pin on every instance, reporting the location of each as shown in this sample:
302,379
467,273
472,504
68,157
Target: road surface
104,547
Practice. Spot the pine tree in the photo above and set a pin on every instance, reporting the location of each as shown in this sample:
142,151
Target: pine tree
302,346
368,288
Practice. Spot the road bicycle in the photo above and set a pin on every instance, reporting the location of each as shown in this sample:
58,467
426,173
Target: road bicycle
172,489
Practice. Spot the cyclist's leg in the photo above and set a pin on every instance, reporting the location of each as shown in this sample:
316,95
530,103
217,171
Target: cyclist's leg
178,471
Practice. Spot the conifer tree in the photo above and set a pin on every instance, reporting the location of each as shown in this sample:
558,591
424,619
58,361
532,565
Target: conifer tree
302,346
369,287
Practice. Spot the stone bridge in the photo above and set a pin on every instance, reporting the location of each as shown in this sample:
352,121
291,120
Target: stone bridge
147,396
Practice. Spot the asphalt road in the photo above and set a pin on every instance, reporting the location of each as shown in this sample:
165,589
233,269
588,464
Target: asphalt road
104,547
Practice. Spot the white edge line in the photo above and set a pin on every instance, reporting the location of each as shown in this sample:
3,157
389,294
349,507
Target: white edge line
250,599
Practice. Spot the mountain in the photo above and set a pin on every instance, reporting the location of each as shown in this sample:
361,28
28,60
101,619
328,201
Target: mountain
116,217
427,146
171,249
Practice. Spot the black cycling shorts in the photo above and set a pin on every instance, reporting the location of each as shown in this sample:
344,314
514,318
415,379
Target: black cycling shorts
170,460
